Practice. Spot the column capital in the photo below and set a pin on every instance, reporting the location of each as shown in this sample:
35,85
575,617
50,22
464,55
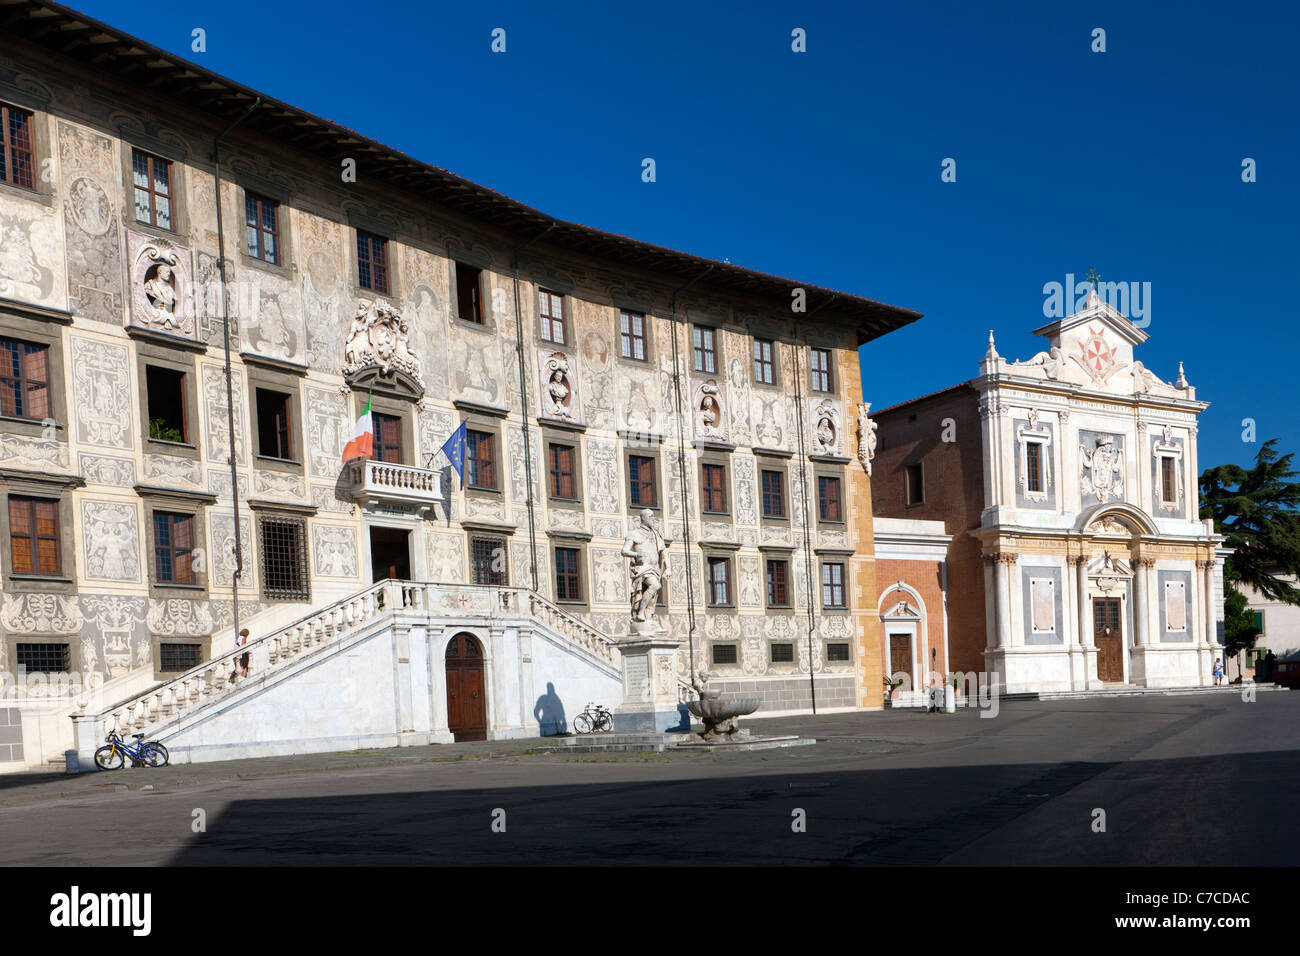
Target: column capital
1078,560
1144,562
1007,558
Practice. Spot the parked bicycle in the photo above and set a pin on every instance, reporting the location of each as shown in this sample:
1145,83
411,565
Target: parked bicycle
113,755
595,718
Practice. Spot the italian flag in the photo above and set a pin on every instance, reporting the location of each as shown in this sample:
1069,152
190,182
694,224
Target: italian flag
362,442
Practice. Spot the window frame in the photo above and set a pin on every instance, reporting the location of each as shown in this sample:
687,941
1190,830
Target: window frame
31,500
636,482
706,492
149,354
278,594
8,148
760,363
372,241
170,196
46,333
471,448
724,561
547,322
495,541
907,484
576,574
842,585
21,379
379,446
171,549
476,295
554,475
629,338
700,352
1034,467
837,481
771,602
260,201
827,375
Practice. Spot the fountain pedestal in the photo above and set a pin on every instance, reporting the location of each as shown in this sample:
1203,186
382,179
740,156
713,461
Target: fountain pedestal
650,698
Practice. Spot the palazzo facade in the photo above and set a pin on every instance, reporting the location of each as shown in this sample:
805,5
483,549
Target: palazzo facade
161,481
1069,485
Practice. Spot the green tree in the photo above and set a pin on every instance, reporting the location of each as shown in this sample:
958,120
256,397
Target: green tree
1257,510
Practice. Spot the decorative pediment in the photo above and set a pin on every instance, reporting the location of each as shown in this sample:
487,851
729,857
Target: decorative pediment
378,341
902,611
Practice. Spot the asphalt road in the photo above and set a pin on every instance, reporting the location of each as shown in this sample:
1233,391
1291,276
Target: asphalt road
1181,781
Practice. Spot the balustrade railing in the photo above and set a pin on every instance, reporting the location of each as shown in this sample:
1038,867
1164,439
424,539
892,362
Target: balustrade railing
224,674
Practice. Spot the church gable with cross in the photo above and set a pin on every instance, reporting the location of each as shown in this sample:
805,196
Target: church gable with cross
1067,481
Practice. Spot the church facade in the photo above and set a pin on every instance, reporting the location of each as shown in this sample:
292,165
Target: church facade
1068,483
172,440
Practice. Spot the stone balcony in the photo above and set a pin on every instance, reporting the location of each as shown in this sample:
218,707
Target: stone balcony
386,484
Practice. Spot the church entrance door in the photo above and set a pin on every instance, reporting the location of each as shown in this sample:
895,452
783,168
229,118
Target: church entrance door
1108,637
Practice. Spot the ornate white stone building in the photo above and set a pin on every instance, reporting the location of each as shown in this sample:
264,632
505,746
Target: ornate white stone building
1085,545
162,481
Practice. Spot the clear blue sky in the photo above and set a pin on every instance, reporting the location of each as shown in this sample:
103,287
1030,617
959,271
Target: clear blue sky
825,166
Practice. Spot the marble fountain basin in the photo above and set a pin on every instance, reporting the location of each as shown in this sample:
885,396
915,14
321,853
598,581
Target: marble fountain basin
716,709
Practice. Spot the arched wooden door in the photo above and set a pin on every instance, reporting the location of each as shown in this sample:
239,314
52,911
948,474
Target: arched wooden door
466,700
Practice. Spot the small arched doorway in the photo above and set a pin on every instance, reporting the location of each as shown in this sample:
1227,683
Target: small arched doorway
466,701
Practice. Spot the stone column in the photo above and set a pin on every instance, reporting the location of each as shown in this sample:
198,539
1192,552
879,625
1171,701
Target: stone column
1081,585
1004,561
1207,578
1141,601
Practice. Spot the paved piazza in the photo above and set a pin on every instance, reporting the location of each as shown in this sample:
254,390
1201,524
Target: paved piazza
885,788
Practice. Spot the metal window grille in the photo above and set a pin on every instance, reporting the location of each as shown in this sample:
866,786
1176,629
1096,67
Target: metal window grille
45,658
724,653
179,657
284,559
488,561
782,653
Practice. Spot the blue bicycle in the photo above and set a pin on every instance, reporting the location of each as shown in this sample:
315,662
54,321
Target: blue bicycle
112,756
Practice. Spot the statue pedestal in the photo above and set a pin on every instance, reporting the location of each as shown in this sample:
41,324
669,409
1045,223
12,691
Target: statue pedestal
650,698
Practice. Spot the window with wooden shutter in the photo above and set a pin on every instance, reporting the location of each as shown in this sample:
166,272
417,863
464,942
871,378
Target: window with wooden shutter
388,438
642,492
714,488
24,379
173,546
828,499
568,578
778,572
35,545
480,468
561,471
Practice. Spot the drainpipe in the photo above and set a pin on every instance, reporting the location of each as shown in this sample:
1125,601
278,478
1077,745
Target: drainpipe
523,402
681,472
803,494
225,336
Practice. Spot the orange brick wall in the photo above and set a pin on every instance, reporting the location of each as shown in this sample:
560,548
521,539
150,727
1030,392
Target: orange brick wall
866,620
926,578
954,494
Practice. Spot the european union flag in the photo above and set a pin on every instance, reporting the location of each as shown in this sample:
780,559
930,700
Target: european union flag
454,449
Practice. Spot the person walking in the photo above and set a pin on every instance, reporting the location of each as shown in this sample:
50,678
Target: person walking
1218,671
241,669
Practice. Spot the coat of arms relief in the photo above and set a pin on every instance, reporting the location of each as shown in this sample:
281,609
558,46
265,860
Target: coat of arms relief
1102,469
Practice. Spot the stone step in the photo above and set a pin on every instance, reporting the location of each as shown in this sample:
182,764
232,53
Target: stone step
660,743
